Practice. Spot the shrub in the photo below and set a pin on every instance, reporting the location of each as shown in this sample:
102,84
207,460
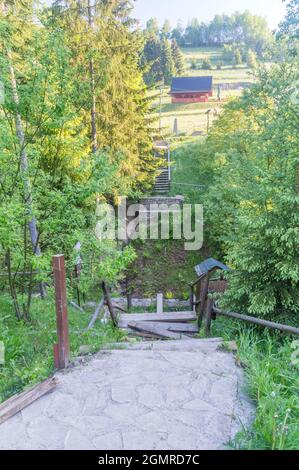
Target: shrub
206,64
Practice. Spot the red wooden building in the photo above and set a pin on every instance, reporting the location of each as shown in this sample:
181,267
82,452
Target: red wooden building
191,89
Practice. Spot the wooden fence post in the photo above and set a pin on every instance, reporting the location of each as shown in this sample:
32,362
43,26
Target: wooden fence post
159,304
203,293
208,316
61,350
109,304
191,298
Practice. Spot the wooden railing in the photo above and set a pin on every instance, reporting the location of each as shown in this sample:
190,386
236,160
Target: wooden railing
207,311
257,321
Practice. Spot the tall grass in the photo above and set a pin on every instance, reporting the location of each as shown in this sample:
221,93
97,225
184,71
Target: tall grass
29,346
273,383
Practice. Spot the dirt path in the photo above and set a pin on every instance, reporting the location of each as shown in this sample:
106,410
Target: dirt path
164,395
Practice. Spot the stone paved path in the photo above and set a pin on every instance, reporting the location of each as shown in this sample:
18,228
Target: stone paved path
163,395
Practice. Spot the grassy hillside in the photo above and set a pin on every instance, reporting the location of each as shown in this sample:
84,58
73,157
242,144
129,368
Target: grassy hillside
164,265
191,117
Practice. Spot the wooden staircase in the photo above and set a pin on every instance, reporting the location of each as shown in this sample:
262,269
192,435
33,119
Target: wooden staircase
162,151
162,184
160,325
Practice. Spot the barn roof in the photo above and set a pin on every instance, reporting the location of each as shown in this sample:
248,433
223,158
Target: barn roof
191,84
208,265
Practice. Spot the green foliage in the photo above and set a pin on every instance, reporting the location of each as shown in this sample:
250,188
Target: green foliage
252,30
193,64
238,57
178,58
290,26
166,61
49,106
238,34
251,59
206,64
269,361
161,59
235,53
251,209
273,385
29,347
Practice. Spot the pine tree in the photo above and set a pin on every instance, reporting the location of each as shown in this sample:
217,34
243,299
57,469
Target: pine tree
290,25
166,61
118,98
238,57
251,59
178,58
253,204
166,30
150,60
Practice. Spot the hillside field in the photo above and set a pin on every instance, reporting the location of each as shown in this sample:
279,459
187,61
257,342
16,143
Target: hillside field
191,117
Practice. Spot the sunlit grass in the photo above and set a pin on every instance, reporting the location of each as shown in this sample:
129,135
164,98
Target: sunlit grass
29,346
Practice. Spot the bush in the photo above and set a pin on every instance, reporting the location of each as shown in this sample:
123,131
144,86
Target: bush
238,60
251,59
206,64
193,65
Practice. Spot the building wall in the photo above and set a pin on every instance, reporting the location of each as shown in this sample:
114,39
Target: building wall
191,97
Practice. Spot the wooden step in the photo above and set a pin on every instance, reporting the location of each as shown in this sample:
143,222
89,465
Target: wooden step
181,327
156,329
206,345
168,317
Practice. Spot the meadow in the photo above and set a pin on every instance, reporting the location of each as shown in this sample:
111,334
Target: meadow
192,117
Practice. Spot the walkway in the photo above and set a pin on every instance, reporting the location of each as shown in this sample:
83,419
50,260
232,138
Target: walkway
163,395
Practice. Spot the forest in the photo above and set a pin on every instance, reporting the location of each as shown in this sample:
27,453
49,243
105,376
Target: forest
79,82
222,30
243,37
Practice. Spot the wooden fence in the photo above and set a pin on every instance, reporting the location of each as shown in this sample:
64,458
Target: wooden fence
207,311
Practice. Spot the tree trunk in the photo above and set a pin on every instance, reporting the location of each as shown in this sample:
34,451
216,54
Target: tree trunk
34,236
93,113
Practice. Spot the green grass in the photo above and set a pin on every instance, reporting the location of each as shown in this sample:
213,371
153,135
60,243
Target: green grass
214,54
188,179
228,72
191,117
29,346
272,384
163,266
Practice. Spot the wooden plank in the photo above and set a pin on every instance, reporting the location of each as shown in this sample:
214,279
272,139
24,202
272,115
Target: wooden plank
157,329
77,307
140,334
18,402
108,301
96,314
180,327
208,316
159,304
258,321
174,317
